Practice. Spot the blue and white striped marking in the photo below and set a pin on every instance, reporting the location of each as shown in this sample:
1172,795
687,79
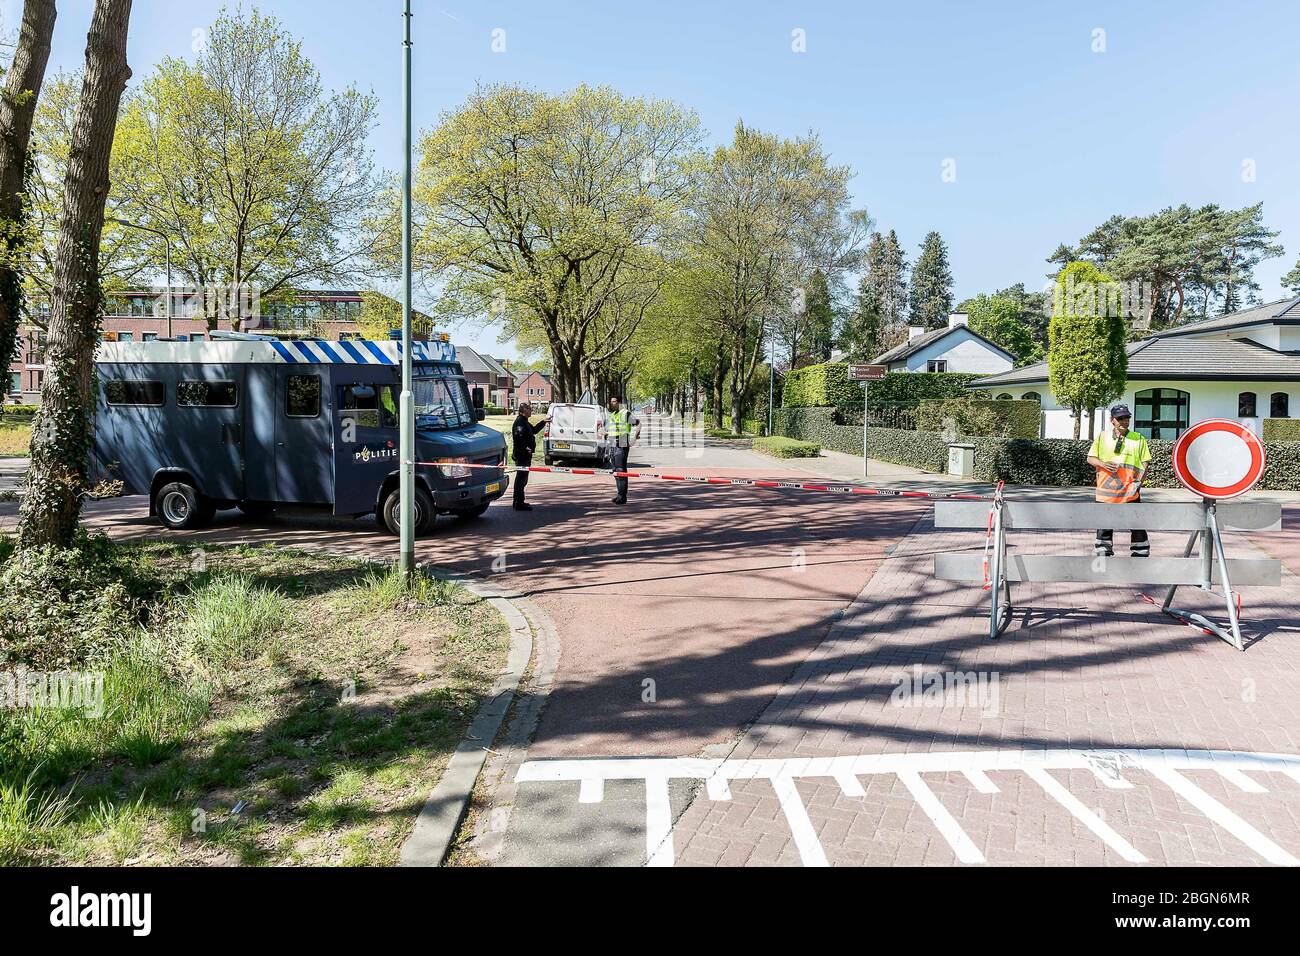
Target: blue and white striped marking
359,352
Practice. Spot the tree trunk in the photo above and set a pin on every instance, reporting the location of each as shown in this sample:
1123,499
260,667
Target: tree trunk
63,431
17,107
1078,420
1092,424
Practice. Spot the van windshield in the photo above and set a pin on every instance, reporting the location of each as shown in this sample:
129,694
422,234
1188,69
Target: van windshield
441,402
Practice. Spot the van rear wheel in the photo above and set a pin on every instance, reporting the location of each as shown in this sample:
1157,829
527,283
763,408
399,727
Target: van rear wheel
424,513
180,506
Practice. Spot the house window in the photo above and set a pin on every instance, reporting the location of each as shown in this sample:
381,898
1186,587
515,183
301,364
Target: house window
125,336
148,336
302,396
936,365
1033,397
126,392
1245,404
195,393
1279,405
1161,412
15,381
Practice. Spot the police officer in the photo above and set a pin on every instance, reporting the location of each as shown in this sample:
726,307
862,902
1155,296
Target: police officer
621,425
1120,457
523,443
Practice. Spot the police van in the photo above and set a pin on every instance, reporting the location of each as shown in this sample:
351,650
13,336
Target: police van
256,423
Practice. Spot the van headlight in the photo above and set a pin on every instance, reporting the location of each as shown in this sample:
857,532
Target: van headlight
455,468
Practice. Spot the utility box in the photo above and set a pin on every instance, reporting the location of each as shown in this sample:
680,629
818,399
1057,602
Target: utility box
961,460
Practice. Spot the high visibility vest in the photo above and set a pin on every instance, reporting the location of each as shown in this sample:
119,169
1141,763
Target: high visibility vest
1132,457
620,425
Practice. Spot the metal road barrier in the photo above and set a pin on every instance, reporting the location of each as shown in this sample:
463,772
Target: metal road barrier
1205,521
1166,767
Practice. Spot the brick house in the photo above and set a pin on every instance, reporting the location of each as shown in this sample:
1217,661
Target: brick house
533,387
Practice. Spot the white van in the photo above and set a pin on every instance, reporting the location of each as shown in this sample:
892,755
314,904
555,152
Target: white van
576,430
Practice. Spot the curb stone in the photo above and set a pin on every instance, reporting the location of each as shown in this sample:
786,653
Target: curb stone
442,811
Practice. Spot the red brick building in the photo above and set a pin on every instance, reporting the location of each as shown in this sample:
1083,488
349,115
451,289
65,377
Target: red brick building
141,316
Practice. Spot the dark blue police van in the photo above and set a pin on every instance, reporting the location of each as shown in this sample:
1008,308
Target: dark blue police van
256,423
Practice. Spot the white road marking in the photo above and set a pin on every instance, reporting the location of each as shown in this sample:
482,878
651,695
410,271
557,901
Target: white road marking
1224,817
1163,765
1065,798
951,830
658,822
850,784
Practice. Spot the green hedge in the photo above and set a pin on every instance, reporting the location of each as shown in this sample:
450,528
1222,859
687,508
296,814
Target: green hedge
1054,461
778,446
18,411
1282,429
818,425
1004,418
815,386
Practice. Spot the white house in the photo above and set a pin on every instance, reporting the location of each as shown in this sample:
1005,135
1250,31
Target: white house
1244,366
952,349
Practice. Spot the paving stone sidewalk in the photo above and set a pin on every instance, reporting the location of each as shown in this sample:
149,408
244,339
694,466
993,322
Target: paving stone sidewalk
1077,671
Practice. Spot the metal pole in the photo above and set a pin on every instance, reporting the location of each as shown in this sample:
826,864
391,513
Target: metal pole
168,247
771,383
864,428
406,411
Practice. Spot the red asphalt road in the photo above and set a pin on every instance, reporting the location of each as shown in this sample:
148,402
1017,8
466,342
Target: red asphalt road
713,593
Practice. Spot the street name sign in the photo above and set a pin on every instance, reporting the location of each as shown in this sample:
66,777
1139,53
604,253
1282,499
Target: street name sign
867,373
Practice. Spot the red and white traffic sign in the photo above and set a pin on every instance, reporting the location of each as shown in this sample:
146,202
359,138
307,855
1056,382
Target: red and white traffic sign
1218,458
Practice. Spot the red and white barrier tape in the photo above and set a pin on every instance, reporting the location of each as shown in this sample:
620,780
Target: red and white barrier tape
716,480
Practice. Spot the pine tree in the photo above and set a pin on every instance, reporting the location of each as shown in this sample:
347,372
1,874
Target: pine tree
863,336
1292,279
930,297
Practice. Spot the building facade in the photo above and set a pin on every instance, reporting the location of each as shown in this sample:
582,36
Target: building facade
952,349
1244,367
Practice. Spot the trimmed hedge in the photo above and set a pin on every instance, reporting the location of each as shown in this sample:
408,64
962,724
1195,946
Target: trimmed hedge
18,411
1014,418
815,386
1282,429
778,446
1055,461
818,425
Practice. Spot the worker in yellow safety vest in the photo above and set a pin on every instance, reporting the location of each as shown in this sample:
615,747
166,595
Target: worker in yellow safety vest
1120,456
622,437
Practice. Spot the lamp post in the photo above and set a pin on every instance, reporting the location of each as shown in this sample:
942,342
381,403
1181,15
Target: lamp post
167,246
406,410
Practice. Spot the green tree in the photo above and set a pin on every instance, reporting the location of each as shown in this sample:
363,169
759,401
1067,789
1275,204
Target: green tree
64,427
998,319
1292,279
550,213
259,177
756,202
18,99
930,295
1087,363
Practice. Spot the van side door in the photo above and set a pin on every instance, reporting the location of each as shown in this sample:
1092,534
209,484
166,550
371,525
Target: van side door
208,425
365,434
304,448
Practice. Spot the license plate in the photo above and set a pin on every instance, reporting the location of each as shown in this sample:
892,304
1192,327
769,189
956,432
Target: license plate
495,486
559,444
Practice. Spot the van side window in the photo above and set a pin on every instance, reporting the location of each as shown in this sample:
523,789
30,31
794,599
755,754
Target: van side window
370,406
121,391
195,393
302,396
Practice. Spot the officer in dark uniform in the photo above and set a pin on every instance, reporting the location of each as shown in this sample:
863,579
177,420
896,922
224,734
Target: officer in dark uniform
523,443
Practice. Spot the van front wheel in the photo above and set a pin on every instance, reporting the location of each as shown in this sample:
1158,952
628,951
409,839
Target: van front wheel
424,513
180,506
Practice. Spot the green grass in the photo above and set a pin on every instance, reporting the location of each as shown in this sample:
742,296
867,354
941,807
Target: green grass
312,688
503,424
15,438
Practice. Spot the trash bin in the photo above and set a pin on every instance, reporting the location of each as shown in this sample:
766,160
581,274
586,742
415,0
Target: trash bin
961,460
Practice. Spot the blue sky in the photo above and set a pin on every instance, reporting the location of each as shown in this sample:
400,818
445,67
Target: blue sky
1048,137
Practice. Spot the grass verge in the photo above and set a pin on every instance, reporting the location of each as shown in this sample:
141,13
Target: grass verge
15,439
267,707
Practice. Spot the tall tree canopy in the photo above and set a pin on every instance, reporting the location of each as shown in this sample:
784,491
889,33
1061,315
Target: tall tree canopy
1292,279
999,319
930,295
257,174
553,213
1183,263
1087,361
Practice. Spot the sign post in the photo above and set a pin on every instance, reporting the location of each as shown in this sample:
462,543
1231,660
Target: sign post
866,374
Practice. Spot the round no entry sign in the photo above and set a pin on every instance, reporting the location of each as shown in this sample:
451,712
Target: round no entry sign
1218,458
